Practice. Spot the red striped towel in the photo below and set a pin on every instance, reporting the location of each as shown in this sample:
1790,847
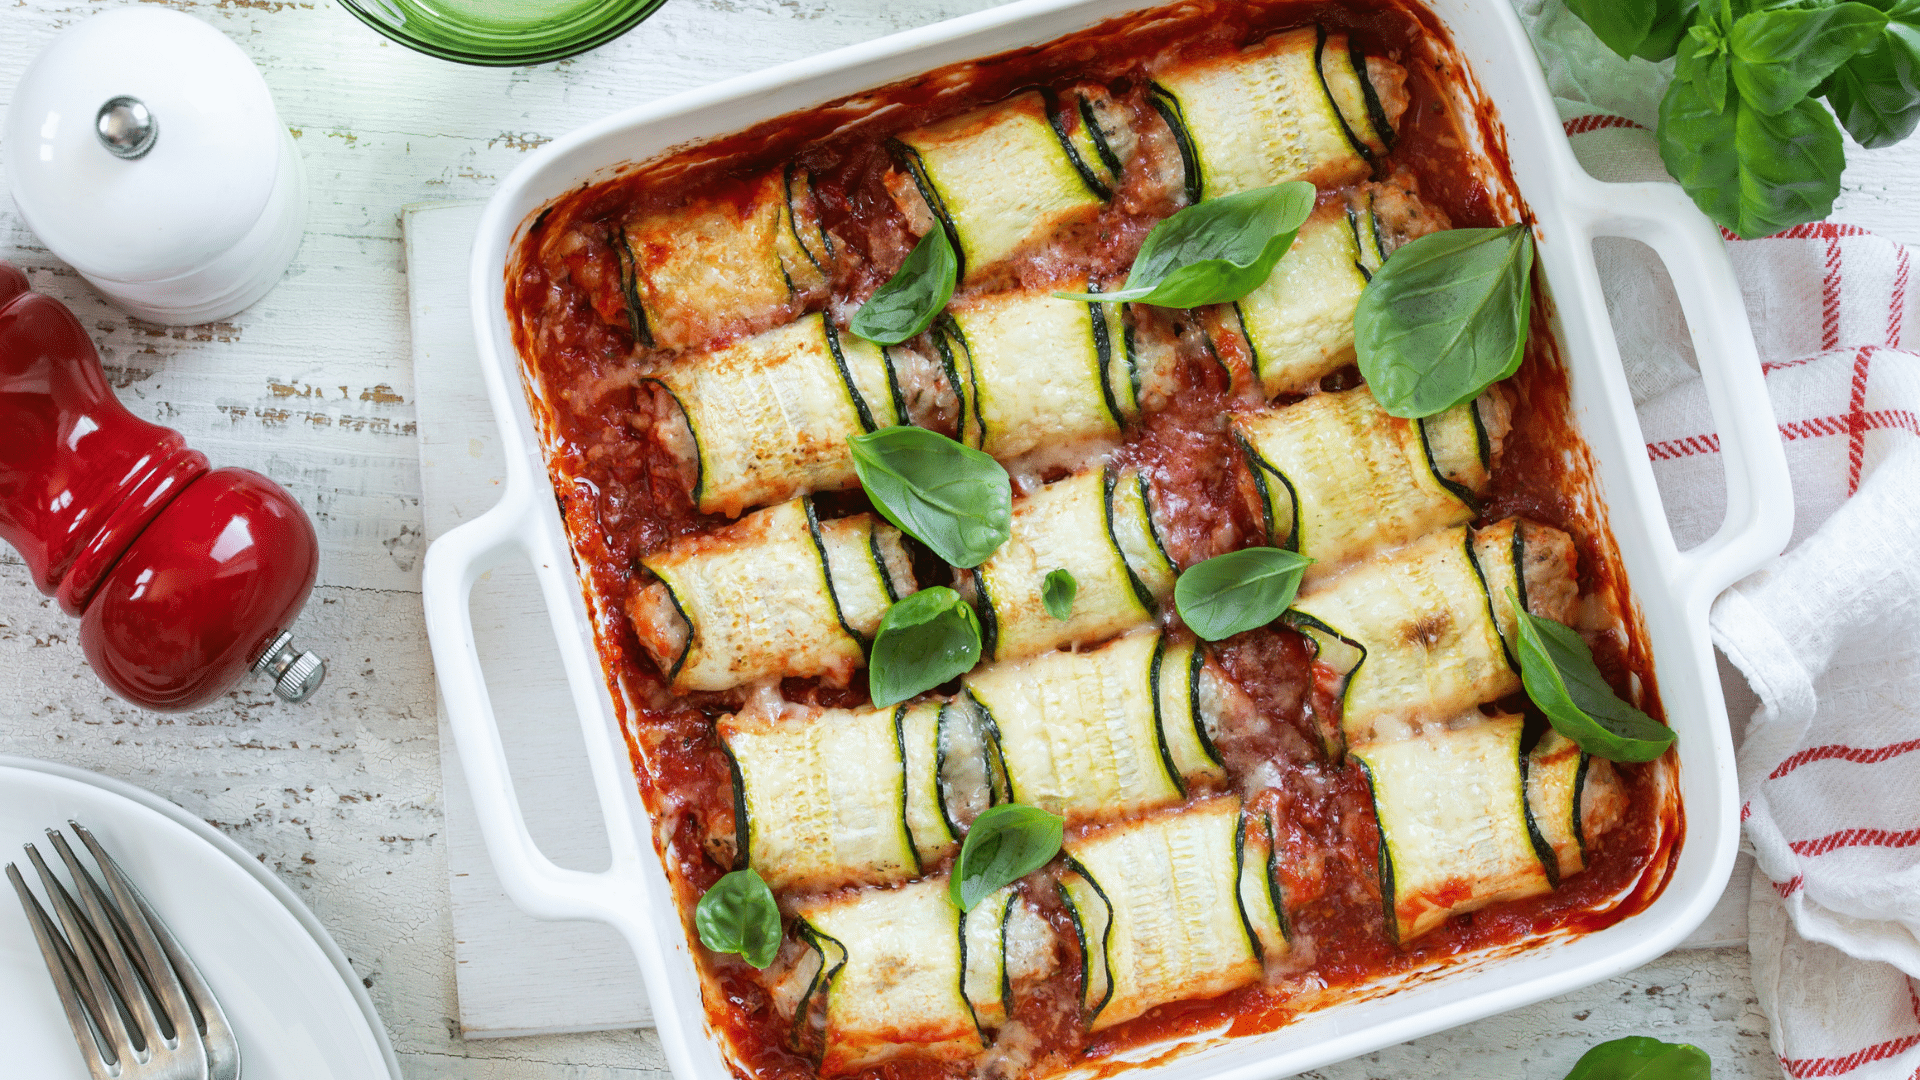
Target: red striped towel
1828,635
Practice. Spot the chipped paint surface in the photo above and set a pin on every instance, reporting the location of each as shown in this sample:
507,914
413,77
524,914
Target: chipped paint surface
313,386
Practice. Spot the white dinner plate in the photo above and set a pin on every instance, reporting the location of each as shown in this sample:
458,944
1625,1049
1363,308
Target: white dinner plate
295,1003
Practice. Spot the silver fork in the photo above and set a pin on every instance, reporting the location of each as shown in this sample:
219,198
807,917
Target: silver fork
138,1006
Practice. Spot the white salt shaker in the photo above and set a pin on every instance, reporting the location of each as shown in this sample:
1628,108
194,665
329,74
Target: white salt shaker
143,149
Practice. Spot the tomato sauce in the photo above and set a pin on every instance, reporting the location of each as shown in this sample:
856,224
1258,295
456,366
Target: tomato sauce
622,497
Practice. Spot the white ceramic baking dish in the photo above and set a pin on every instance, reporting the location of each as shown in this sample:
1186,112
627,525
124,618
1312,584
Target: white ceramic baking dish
1673,588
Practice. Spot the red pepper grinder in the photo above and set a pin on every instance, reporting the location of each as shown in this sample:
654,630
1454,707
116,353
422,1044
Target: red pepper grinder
184,578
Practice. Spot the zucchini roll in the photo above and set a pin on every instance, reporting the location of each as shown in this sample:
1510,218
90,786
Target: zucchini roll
841,795
1106,732
720,264
778,593
1098,526
1301,105
1178,905
1037,371
1574,798
1456,833
894,968
768,418
1014,174
1298,325
1415,636
1338,478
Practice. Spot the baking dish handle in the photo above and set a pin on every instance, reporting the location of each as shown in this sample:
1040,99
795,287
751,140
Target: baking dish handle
454,563
1759,517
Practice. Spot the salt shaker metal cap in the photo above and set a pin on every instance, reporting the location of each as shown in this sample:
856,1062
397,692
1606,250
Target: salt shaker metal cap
143,148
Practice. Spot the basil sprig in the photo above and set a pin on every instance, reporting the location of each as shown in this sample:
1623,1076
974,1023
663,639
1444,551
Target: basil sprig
1637,1057
1057,593
1003,845
907,303
952,498
738,915
1562,679
1740,127
1648,29
1876,94
1235,592
1214,252
923,641
1445,318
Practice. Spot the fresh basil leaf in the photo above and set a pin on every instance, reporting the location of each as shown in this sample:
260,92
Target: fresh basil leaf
738,915
1235,592
1877,93
1649,29
1562,679
1003,845
1637,1057
1702,62
952,498
1780,55
907,303
1214,252
923,641
1057,593
1445,318
1754,174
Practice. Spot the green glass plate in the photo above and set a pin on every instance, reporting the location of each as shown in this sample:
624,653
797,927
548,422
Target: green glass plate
502,33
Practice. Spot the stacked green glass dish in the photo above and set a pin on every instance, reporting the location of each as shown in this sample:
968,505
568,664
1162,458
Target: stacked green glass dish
502,33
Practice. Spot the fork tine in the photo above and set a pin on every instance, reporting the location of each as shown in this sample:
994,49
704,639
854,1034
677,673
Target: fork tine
61,972
162,978
146,1021
96,982
222,1048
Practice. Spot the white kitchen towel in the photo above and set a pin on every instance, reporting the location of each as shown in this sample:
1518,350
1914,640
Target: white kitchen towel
1828,635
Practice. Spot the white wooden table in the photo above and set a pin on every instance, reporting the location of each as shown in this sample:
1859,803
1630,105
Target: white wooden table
313,387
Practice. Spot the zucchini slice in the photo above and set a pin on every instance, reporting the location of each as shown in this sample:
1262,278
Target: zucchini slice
1092,915
1410,633
777,593
1034,370
1065,525
1157,902
1267,114
972,777
1077,731
1455,830
1180,680
1343,72
1339,478
1537,562
1001,179
757,259
1262,901
918,729
1138,535
826,797
899,988
988,988
1298,324
867,569
1574,797
1093,129
769,416
1557,771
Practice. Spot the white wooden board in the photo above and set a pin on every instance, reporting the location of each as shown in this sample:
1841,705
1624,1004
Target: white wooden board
516,975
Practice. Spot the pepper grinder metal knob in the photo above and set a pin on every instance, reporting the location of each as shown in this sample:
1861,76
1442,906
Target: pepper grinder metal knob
295,674
126,127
